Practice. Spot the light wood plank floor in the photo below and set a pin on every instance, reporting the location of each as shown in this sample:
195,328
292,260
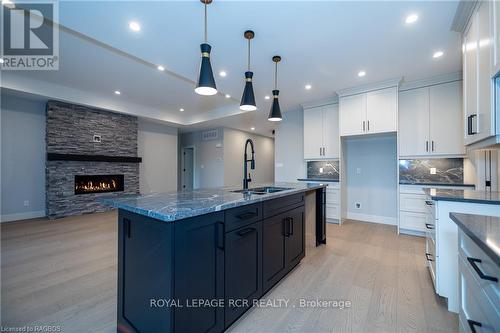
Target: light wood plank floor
63,272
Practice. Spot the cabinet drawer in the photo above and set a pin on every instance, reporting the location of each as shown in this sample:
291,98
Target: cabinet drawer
474,306
332,196
412,202
241,216
279,205
468,249
412,221
332,211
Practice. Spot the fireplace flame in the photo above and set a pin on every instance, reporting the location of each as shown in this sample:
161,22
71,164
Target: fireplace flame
91,186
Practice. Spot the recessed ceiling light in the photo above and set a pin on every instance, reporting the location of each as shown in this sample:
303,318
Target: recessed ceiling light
222,73
228,96
117,92
161,68
438,54
181,110
252,128
1,61
361,73
308,87
134,26
412,18
267,97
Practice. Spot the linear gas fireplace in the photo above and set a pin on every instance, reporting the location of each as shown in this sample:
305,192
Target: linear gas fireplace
98,183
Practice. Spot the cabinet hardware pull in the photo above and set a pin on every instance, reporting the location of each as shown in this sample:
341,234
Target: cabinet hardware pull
291,225
221,243
429,203
432,145
246,231
473,262
323,151
426,146
246,215
319,151
127,227
427,256
363,125
287,227
368,126
470,130
429,226
473,323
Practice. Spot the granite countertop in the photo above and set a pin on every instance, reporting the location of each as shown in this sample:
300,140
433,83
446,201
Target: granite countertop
318,180
484,197
172,206
436,184
483,230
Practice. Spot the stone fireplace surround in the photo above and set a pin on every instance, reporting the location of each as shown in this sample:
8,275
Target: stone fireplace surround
75,130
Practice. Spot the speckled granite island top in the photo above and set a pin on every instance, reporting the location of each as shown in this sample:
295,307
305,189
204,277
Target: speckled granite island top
172,206
484,197
483,230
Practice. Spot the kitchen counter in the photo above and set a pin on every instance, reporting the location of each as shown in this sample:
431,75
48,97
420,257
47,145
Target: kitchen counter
483,197
173,206
318,180
483,230
437,184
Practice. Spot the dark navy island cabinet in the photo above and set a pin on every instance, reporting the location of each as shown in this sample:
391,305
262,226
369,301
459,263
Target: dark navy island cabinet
166,268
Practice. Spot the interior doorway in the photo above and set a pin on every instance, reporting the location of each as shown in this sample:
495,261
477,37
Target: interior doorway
187,168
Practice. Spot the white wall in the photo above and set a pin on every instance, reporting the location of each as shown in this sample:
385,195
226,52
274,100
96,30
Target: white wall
208,159
234,145
375,185
23,158
157,145
289,147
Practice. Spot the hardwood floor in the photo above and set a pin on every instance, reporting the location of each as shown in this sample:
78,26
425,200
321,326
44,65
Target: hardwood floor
63,273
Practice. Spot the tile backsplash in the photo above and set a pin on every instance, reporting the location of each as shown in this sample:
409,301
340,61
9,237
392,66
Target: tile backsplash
323,169
439,170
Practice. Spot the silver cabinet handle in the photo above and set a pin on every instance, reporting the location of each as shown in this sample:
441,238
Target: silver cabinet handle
363,126
368,126
426,146
432,145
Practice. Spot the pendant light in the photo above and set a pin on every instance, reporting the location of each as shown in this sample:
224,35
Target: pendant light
248,98
206,82
275,113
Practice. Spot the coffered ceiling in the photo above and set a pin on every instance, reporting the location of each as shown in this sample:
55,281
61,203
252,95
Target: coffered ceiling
322,43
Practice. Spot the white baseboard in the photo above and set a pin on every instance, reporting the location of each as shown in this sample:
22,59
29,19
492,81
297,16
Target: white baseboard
22,216
372,218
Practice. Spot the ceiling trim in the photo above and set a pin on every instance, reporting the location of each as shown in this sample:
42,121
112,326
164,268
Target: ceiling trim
440,79
465,9
321,102
370,87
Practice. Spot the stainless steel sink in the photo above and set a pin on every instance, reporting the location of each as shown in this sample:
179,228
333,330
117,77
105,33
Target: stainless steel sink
262,190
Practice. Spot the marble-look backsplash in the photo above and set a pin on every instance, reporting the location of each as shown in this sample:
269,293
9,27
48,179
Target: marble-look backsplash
439,170
323,169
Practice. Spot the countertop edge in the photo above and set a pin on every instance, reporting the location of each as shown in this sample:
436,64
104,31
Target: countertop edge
172,218
318,180
438,184
480,201
489,252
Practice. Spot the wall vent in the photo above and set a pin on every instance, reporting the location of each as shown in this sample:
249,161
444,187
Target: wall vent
210,135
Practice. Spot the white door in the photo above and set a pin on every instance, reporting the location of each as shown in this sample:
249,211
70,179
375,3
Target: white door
484,81
414,122
446,120
187,169
470,78
331,131
352,111
381,110
313,133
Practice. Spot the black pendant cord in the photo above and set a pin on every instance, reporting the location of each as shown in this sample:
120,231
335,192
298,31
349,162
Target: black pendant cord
276,76
249,55
206,29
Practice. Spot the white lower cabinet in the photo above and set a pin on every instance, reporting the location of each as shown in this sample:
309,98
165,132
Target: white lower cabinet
412,221
333,204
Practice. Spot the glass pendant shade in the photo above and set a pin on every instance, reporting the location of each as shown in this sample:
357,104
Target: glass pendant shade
275,113
248,98
206,82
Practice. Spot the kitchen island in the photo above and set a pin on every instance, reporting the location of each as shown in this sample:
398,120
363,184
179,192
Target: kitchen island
196,261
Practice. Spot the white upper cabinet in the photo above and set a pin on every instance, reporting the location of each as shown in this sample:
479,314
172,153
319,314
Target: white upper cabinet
430,120
321,132
352,115
414,122
446,120
481,62
381,110
369,113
